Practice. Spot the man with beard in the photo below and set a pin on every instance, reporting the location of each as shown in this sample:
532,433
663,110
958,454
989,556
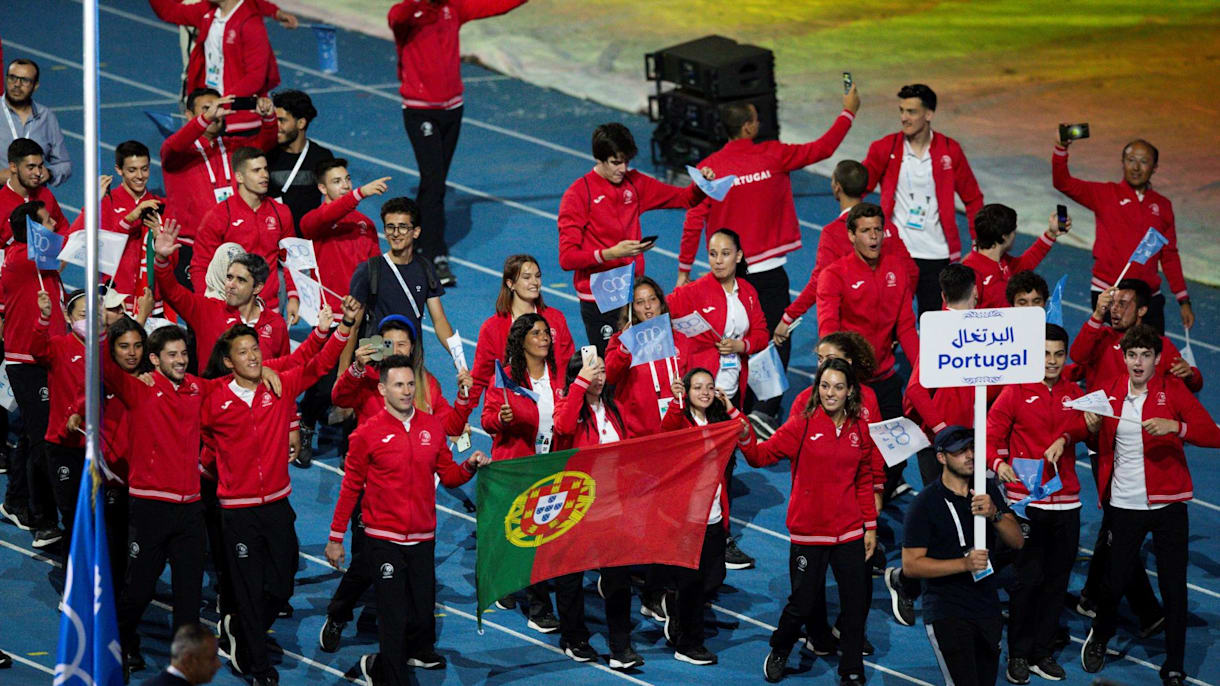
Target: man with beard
295,157
26,181
24,119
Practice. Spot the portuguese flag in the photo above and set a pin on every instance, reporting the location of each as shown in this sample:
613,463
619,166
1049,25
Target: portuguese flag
640,501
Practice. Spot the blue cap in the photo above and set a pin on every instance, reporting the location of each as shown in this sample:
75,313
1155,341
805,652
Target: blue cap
952,439
402,320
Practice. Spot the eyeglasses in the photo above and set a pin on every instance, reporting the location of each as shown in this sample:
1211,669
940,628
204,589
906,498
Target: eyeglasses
398,228
24,80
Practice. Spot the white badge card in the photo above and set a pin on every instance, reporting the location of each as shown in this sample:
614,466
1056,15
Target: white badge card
730,361
222,194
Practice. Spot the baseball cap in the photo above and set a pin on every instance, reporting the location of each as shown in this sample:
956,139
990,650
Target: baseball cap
952,439
113,299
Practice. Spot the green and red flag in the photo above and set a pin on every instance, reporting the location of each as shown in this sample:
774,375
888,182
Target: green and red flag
640,501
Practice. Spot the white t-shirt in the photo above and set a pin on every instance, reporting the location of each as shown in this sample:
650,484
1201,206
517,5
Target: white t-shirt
606,433
716,513
246,395
736,324
916,211
214,52
1128,489
546,412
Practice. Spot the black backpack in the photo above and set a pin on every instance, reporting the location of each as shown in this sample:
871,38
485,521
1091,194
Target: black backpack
368,328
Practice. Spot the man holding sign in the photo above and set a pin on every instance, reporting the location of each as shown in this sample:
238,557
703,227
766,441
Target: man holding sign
1125,212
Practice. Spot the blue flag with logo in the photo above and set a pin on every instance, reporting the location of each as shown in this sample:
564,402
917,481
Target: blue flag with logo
1054,304
328,48
650,341
612,288
1030,474
1151,244
42,245
502,381
164,122
767,378
88,652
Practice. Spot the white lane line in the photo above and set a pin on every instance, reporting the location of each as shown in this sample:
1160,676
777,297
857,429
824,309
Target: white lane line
30,663
1149,665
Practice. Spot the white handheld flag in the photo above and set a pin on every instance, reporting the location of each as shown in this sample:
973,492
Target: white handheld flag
456,351
310,293
1187,353
897,439
1096,402
110,250
300,256
691,325
767,378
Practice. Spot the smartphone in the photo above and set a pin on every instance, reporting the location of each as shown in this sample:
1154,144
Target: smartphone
380,344
1073,132
149,211
1061,215
244,103
846,82
650,239
588,355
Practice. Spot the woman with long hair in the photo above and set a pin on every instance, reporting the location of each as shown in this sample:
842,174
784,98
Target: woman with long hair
644,391
832,518
520,293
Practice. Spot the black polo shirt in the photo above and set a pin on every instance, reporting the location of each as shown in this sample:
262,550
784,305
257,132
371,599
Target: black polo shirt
930,524
302,195
419,278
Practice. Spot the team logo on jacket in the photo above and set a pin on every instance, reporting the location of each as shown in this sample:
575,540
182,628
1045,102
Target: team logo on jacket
388,438
1033,399
801,563
242,551
63,473
946,162
387,571
815,436
425,437
890,280
1065,400
549,508
426,127
44,395
266,402
231,36
987,281
133,550
269,223
854,439
266,331
1155,209
628,196
1160,398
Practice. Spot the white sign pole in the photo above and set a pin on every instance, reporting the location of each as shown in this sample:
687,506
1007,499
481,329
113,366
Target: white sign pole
980,461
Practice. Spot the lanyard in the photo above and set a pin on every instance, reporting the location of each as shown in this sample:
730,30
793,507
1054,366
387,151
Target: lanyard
403,284
224,161
8,117
957,522
295,168
669,373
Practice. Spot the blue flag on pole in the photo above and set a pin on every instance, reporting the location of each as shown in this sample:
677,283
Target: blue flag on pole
715,189
650,341
1030,474
88,653
613,288
1054,304
42,245
1151,244
328,48
164,122
767,378
502,381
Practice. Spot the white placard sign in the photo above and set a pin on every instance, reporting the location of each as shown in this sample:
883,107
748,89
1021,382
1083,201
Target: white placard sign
991,347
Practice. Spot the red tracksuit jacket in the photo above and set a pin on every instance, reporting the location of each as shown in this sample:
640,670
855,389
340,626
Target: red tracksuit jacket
64,358
391,466
832,477
358,390
707,296
634,391
11,200
595,214
132,275
1023,422
1095,350
163,457
950,172
210,318
835,244
762,171
991,277
251,441
676,420
870,412
493,337
342,239
573,432
1166,474
19,293
515,439
195,168
426,40
874,302
258,231
1122,220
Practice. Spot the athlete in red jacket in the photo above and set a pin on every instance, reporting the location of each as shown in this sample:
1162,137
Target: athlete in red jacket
342,237
831,517
1144,483
1124,211
27,181
920,172
599,221
391,460
429,69
996,229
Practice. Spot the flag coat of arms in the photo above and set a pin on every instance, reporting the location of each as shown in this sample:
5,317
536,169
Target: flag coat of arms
639,501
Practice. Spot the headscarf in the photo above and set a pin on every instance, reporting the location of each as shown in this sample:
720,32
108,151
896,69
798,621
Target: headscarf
218,269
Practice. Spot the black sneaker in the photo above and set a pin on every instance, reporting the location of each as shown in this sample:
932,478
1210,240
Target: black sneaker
823,646
1093,653
5,660
1156,627
653,607
774,666
734,558
545,623
367,664
1086,607
581,651
866,646
600,593
698,655
304,456
1018,670
427,659
507,603
1048,669
328,638
19,517
1173,679
46,537
134,661
440,264
852,680
876,563
902,607
763,423
625,659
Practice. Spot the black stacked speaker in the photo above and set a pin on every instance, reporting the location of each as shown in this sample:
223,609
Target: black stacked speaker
695,80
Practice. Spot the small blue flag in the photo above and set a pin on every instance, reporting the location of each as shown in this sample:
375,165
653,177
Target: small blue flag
715,189
1030,474
1151,244
612,289
328,48
164,122
88,652
1054,305
42,245
650,341
767,378
502,381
